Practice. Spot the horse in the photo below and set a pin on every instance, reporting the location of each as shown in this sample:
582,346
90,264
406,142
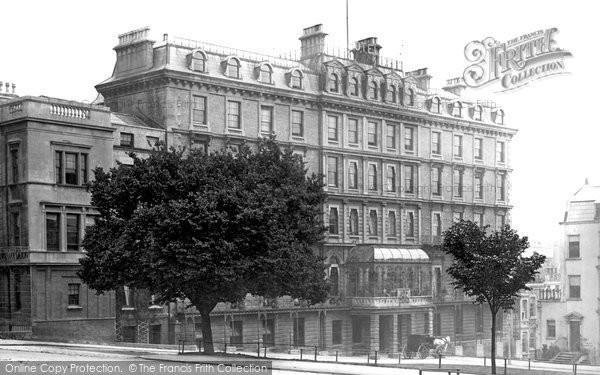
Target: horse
440,344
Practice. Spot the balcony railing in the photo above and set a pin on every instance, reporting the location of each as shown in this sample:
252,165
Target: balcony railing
11,254
549,294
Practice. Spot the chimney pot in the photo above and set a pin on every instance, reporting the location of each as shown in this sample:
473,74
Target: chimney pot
14,87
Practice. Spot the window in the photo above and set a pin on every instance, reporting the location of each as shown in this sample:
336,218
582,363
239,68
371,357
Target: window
52,231
500,222
73,238
436,181
409,141
436,224
500,117
334,83
198,62
126,139
332,171
151,141
391,94
392,223
352,130
373,90
410,223
500,154
478,186
436,145
477,111
266,73
237,333
478,149
353,222
458,146
478,218
336,332
458,183
199,110
391,136
500,187
574,286
574,247
333,221
353,87
437,324
75,168
457,109
233,68
411,97
266,119
372,133
334,280
14,163
426,322
234,115
372,177
298,331
524,309
478,318
332,128
298,123
353,175
391,178
73,297
409,186
458,319
457,216
18,286
373,223
436,105
15,225
296,79
550,328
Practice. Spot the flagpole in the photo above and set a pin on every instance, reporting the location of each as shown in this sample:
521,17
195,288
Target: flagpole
347,34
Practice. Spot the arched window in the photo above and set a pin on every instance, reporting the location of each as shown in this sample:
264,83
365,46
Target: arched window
411,97
391,94
333,221
334,84
477,113
296,79
266,73
500,117
373,90
198,62
353,221
373,223
233,68
457,109
392,223
334,276
436,105
353,87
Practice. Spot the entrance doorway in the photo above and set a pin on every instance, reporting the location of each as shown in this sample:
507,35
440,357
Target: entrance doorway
574,335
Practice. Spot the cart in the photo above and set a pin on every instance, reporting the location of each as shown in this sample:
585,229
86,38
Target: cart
418,346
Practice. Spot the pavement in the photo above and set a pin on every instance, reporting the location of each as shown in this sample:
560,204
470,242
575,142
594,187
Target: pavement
326,364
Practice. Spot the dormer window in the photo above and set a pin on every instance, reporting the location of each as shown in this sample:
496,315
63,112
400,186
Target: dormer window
477,113
500,117
373,90
334,83
391,94
457,109
232,69
296,77
411,97
353,87
436,105
198,61
266,74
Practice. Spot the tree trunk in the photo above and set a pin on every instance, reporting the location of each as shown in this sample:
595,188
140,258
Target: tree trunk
207,339
493,348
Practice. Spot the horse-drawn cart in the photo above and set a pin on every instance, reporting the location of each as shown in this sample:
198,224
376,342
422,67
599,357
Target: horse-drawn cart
422,346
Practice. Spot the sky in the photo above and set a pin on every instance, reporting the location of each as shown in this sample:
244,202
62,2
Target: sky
63,48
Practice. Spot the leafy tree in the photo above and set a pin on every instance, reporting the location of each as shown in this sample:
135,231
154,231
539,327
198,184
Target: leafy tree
209,228
490,266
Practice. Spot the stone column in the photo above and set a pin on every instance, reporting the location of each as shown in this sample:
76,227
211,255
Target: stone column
395,328
374,330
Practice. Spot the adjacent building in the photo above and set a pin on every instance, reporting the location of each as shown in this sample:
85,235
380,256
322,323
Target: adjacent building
401,161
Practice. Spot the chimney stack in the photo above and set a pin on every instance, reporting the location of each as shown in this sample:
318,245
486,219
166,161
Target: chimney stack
455,86
135,51
312,41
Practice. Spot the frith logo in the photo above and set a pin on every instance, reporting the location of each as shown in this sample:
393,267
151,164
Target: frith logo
514,63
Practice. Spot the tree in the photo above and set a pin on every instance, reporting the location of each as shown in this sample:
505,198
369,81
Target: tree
490,266
209,228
